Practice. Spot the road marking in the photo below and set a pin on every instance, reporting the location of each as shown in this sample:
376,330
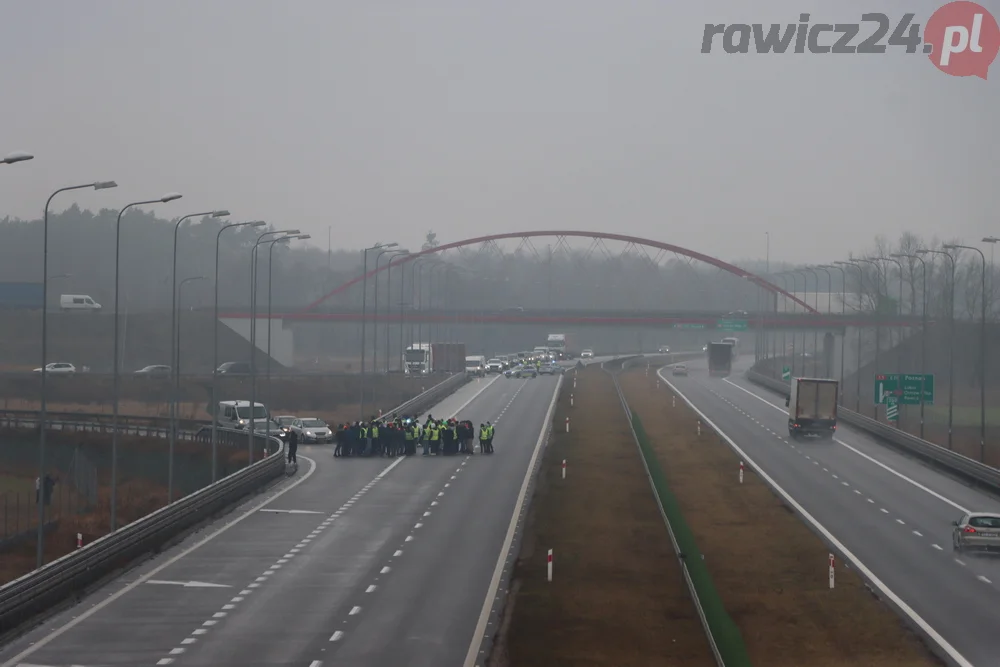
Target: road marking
934,635
354,611
58,632
370,589
316,663
291,511
900,522
888,469
477,637
960,562
187,584
384,570
398,553
984,579
885,511
937,547
337,636
918,533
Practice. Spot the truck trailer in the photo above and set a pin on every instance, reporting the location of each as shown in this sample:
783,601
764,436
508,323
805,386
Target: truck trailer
427,358
720,359
812,408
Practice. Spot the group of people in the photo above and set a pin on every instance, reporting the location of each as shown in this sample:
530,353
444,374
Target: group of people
401,436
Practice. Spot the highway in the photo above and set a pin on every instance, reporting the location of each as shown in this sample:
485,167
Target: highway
367,562
892,512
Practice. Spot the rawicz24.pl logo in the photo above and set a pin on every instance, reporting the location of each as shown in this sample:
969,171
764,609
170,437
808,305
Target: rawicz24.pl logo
961,38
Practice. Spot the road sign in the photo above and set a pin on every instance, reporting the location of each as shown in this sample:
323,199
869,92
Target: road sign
786,373
688,325
905,387
732,325
892,409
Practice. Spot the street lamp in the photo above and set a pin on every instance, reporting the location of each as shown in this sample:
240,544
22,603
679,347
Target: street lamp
982,353
829,306
18,156
923,331
215,341
375,320
878,314
99,185
861,288
115,362
951,340
784,330
815,301
251,430
843,311
176,369
992,240
364,308
388,299
899,312
270,262
175,337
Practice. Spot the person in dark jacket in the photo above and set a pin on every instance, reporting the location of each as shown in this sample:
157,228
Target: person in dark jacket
293,446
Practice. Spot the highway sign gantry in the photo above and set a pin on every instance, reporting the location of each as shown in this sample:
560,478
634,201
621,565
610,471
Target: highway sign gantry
905,388
732,325
688,325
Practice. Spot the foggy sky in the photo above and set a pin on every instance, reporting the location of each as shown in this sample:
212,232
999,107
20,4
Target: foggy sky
383,119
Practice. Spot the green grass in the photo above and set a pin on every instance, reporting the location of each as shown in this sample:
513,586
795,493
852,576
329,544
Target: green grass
9,484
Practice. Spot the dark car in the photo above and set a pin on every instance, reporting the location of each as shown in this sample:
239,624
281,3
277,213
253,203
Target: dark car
527,372
234,368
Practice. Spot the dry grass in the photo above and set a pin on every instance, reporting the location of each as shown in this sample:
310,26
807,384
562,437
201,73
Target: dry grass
617,597
768,566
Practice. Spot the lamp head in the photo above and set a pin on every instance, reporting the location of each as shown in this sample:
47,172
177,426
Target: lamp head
170,196
17,156
290,232
921,251
105,185
991,239
256,223
302,237
389,245
220,214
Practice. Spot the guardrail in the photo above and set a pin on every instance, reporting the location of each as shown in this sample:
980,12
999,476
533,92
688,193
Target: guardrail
969,469
42,589
100,422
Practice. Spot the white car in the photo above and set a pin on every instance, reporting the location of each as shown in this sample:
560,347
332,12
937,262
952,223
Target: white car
312,430
494,366
587,354
58,367
664,349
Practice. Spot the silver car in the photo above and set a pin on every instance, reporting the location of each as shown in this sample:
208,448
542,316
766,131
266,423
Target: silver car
977,531
312,430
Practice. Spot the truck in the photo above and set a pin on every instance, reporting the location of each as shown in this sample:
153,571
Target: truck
720,359
556,343
735,344
21,296
812,408
427,358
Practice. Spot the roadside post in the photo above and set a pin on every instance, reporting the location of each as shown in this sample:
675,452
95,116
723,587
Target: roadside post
741,472
567,424
571,400
564,469
673,400
699,427
831,571
548,565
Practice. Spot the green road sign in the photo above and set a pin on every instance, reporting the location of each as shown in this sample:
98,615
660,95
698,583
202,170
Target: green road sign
892,408
905,388
732,325
786,373
688,325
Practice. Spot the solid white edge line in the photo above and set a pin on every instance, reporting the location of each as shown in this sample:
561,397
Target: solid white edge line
484,616
12,662
933,634
888,469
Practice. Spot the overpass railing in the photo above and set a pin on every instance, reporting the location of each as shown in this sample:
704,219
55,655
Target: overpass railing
71,575
945,459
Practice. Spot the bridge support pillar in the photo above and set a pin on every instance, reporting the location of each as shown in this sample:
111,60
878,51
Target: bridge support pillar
282,339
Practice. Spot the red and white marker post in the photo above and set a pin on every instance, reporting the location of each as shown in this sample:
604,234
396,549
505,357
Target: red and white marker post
79,540
831,570
571,400
574,382
699,427
657,383
741,472
567,424
673,401
564,469
548,565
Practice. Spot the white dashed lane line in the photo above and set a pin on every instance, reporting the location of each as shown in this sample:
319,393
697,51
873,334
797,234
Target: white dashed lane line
833,475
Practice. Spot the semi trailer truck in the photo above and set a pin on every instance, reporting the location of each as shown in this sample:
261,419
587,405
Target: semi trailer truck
427,358
812,408
720,359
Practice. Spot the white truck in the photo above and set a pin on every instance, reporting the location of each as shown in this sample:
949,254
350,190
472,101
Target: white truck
557,345
812,408
417,359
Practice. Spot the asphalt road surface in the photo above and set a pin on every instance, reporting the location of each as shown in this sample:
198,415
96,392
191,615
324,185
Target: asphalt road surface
360,562
893,512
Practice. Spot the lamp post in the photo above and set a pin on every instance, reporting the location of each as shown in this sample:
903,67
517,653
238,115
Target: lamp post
99,185
878,313
364,307
176,369
794,273
175,341
20,156
923,332
402,279
388,301
829,291
784,330
251,430
816,302
115,361
992,240
270,262
982,352
419,283
861,289
215,341
951,341
843,311
899,313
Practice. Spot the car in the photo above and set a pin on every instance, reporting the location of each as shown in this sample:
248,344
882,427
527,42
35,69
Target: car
587,354
59,368
273,428
527,372
311,430
284,422
977,531
512,371
234,368
494,366
664,349
547,369
157,370
679,369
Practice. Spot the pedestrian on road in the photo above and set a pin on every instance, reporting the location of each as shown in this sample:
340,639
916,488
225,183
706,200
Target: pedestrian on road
293,446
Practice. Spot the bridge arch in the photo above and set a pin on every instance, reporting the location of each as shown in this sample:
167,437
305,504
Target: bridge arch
636,240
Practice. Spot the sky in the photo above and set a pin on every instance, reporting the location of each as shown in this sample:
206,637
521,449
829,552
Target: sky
379,120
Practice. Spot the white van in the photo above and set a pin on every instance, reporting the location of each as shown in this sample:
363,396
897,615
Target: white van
77,302
475,365
236,414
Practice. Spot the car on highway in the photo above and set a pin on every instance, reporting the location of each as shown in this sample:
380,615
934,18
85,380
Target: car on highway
273,428
58,368
311,430
494,366
664,349
234,368
977,531
547,369
587,354
284,422
526,372
679,370
156,370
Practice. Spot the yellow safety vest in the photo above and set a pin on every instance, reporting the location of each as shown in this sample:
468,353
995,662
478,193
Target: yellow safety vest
484,433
